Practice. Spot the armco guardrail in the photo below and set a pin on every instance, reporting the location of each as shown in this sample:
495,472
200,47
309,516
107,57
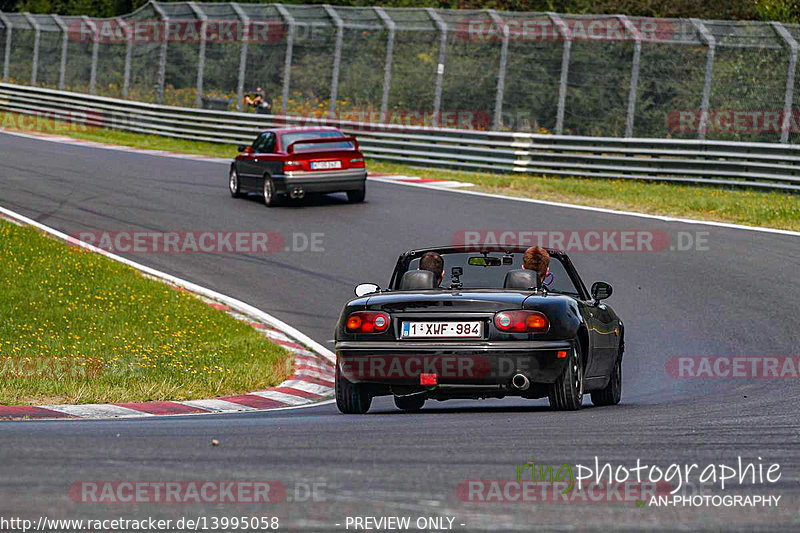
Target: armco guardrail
759,165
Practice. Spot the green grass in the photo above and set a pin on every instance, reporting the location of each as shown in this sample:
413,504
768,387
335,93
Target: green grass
750,207
88,329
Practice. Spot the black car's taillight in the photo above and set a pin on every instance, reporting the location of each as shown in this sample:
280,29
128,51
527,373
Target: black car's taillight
367,322
521,322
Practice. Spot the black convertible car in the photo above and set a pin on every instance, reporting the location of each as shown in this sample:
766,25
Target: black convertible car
490,329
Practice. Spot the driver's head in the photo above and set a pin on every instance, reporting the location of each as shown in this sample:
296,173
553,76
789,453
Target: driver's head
433,262
538,260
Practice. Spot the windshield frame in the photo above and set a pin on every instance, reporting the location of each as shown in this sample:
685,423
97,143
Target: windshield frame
404,261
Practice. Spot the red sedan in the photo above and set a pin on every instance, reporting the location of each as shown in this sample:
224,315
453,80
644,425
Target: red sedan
295,161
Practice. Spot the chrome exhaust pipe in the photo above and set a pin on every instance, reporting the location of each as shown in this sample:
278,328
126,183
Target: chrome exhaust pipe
520,382
297,193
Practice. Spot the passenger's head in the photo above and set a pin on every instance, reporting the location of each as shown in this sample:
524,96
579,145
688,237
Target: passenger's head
433,262
538,260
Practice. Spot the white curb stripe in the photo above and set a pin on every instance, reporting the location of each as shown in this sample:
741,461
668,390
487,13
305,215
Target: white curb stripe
296,351
271,333
94,410
218,406
305,360
281,397
314,374
305,386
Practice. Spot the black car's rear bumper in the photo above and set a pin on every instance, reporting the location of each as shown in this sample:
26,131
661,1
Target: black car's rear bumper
321,181
463,363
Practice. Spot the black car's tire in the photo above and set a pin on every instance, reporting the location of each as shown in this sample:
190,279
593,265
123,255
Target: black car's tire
351,398
234,186
612,393
410,403
357,196
566,394
268,191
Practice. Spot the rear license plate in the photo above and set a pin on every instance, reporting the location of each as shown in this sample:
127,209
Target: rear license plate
325,165
460,330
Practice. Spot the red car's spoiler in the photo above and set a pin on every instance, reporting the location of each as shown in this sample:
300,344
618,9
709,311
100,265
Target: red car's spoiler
325,140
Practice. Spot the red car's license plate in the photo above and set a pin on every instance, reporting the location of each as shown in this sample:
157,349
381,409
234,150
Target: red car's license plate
325,165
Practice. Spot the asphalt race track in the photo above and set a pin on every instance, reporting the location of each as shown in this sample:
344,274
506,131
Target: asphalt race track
737,298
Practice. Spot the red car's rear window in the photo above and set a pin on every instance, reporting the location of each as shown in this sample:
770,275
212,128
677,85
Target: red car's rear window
289,138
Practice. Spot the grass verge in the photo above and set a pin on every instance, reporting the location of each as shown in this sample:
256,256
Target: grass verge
81,328
749,207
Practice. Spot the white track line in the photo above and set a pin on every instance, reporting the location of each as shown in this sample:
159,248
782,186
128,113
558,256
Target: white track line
662,218
408,181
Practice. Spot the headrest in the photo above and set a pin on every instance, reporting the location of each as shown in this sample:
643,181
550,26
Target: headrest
521,279
417,279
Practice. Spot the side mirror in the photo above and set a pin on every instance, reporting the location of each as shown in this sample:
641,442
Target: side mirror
366,288
601,290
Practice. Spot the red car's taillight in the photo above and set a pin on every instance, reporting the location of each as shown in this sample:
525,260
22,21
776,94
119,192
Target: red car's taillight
367,322
288,166
521,321
357,162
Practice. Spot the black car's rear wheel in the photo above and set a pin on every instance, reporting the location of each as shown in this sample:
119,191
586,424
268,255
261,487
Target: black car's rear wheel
233,184
410,403
357,195
612,393
351,398
566,394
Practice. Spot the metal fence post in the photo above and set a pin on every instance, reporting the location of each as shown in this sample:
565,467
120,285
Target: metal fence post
337,57
637,54
437,99
201,54
95,51
245,37
162,59
566,34
126,77
7,52
711,42
790,73
37,39
387,68
287,66
62,69
501,73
